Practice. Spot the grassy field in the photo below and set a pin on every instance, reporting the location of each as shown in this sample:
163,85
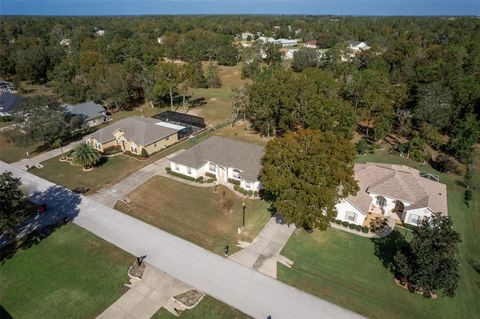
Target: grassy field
70,274
218,101
11,152
208,308
195,213
112,171
343,268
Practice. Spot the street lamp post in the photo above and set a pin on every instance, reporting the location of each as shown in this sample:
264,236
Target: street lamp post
243,216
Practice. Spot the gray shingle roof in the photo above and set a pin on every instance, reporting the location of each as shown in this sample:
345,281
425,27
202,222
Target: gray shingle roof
9,102
142,131
226,152
88,110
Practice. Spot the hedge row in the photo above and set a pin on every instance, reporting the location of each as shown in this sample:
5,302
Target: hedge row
361,228
189,178
244,191
234,181
213,176
112,150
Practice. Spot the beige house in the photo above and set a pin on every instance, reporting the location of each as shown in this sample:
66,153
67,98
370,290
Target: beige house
135,134
394,191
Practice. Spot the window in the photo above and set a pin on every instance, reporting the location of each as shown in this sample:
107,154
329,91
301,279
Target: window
351,216
414,219
168,137
248,184
177,167
155,145
212,167
381,201
236,173
189,170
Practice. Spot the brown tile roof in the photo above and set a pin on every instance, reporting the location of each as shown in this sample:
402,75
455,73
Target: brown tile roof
399,182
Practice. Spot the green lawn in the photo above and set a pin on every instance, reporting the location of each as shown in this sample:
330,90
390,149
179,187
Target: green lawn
342,267
70,274
208,308
195,213
12,152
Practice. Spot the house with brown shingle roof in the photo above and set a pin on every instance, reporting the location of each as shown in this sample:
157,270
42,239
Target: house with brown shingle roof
394,191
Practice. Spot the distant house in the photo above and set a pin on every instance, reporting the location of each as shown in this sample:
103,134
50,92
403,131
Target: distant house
160,40
225,158
287,54
134,134
393,191
282,42
245,36
312,44
357,46
100,32
92,113
6,87
9,103
65,42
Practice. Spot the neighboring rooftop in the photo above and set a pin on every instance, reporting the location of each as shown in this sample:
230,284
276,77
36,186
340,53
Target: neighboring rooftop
9,102
142,131
226,152
88,110
399,182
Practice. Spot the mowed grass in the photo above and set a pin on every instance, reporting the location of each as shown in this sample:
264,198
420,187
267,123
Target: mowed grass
241,133
12,152
343,269
208,308
70,274
218,101
107,174
196,213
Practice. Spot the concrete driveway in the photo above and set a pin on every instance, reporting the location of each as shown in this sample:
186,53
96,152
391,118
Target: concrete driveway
247,290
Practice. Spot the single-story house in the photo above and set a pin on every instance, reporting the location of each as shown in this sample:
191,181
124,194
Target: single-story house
93,114
312,44
6,87
135,134
245,36
9,103
223,157
394,191
287,54
358,46
65,42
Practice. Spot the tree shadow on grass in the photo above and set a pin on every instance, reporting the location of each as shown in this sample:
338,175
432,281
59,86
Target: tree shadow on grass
62,207
4,314
387,247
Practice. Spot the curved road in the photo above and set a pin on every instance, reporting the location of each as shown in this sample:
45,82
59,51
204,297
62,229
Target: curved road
247,290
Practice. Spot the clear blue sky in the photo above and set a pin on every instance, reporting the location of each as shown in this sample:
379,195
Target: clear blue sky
318,7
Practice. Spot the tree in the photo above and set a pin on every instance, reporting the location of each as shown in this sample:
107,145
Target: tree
167,80
251,69
227,55
13,208
185,79
307,172
273,54
85,155
429,263
213,78
240,103
434,105
305,58
198,76
46,120
58,144
464,138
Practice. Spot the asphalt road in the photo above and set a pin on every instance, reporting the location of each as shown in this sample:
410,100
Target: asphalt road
247,290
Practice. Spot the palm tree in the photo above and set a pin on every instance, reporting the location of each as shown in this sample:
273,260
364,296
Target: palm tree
85,155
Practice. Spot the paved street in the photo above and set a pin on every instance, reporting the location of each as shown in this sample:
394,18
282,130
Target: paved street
247,290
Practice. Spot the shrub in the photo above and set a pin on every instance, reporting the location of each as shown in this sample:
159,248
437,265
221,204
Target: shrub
144,153
446,164
199,179
408,226
234,181
250,193
169,171
345,224
112,150
365,229
255,193
352,226
6,118
209,180
338,221
358,227
211,175
362,147
468,195
236,187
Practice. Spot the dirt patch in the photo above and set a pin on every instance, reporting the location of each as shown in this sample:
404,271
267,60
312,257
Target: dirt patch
189,298
137,269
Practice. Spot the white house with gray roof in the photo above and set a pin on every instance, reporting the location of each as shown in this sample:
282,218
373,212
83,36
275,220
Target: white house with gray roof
223,157
394,191
92,114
